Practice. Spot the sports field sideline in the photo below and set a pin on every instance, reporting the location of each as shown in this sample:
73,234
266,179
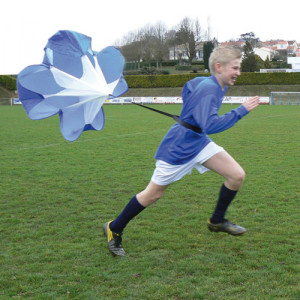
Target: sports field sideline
56,195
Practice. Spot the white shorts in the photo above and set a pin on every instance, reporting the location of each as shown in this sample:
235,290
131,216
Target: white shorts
165,173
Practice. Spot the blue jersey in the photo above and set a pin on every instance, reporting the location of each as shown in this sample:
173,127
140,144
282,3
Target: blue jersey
202,99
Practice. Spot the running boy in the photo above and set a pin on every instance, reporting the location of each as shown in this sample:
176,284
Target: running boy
182,149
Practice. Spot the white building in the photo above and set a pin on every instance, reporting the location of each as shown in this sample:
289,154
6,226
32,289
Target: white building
264,53
180,52
277,45
295,62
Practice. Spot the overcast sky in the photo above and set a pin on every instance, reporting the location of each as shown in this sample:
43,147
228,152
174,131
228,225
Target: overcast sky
26,25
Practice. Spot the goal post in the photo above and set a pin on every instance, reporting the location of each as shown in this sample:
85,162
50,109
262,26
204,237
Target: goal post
6,101
285,98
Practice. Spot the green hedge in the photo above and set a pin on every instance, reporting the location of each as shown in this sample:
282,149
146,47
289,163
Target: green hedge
268,78
178,80
8,82
183,67
155,81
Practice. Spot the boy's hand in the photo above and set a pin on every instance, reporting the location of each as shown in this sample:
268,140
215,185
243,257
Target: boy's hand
251,103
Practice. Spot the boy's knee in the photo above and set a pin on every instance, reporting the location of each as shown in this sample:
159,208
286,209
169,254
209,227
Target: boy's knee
157,195
240,177
147,197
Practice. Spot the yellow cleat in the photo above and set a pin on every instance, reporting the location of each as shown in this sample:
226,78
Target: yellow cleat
114,241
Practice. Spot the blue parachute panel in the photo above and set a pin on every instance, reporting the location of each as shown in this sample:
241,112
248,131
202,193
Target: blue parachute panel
74,81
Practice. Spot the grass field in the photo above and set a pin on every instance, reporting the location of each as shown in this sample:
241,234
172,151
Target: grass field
56,195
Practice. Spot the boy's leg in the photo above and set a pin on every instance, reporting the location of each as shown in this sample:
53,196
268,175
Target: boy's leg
113,230
163,175
137,204
225,197
151,193
223,164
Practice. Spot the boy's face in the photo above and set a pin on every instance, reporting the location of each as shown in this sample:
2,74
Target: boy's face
228,73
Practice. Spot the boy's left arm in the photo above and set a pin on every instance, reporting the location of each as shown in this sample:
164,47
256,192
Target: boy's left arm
251,103
207,117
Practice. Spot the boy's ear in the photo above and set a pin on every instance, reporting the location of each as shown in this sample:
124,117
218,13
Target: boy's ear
218,67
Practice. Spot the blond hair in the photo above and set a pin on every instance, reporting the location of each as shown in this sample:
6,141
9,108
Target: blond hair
223,55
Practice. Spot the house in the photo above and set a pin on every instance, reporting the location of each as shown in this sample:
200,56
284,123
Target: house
295,62
276,45
180,52
239,44
264,52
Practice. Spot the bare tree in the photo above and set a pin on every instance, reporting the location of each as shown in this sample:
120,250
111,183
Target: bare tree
207,36
151,43
189,34
148,40
160,48
132,48
171,40
147,44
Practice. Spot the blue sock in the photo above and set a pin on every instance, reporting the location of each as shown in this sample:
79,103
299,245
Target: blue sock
225,198
132,209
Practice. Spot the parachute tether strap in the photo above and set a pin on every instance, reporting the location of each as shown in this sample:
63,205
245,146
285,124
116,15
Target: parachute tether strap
175,117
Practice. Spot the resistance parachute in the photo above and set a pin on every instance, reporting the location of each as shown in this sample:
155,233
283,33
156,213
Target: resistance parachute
73,81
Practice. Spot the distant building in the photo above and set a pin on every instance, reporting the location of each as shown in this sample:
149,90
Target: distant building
238,44
264,50
291,47
276,45
295,62
180,52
